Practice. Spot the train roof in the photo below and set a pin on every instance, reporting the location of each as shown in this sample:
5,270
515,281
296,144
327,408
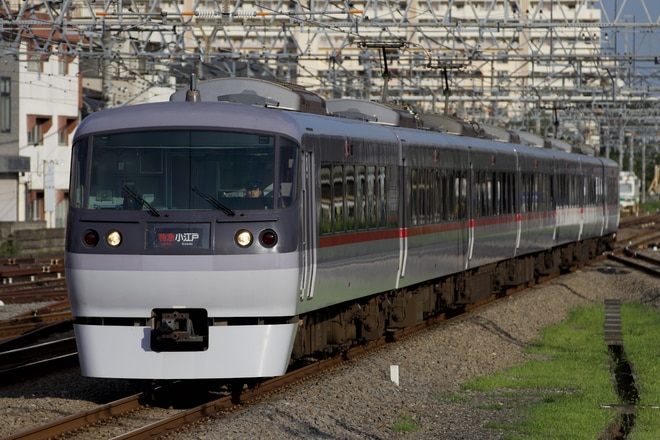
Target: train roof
371,112
248,103
225,116
252,91
192,115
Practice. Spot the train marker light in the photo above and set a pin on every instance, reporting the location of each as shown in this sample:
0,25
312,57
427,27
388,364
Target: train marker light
243,238
113,238
91,238
268,238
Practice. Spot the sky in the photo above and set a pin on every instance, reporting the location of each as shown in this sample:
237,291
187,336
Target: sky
645,40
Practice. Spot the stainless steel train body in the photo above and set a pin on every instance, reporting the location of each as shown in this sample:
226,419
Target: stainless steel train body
174,274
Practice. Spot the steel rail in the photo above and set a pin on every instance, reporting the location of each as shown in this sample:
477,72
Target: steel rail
17,327
34,335
62,426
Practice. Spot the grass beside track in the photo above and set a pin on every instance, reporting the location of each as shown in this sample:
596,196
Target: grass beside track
641,340
561,393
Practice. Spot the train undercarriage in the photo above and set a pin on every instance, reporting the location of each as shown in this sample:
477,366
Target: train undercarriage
331,330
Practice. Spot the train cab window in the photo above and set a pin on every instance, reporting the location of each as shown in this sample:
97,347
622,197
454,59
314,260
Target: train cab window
78,173
186,170
286,191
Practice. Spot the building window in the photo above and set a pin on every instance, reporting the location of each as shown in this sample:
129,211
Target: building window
5,104
37,126
64,60
63,65
34,63
65,126
35,136
35,60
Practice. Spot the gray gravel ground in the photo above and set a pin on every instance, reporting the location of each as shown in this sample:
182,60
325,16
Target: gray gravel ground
360,401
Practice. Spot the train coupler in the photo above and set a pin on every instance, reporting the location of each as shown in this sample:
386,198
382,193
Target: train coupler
179,330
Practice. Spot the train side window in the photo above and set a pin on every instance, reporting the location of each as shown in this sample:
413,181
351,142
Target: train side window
382,196
451,196
506,194
428,189
446,195
361,199
462,188
338,209
371,197
325,219
423,196
534,193
412,196
497,194
436,197
476,195
350,197
563,191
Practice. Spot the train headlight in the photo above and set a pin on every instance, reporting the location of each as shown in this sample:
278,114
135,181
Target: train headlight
243,238
268,238
91,238
113,238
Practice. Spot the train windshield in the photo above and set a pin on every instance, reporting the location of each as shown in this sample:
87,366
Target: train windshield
625,188
185,170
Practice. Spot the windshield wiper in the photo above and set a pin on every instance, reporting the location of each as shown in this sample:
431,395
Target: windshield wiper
135,196
217,204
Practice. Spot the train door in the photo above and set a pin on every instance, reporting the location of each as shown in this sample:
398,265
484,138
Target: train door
470,213
308,232
517,205
403,225
461,202
553,197
581,196
601,194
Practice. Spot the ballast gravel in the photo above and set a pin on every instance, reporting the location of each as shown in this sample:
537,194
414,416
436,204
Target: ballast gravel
363,400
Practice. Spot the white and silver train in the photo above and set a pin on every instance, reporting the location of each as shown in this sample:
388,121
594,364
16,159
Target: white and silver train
362,222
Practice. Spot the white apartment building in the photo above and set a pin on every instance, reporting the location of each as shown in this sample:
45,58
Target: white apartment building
497,61
39,110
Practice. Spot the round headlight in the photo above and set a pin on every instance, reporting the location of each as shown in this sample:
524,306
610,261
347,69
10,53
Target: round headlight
243,238
268,238
91,238
113,238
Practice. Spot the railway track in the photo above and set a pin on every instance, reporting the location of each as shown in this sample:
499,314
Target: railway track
14,270
34,320
641,260
37,360
238,395
637,244
36,351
